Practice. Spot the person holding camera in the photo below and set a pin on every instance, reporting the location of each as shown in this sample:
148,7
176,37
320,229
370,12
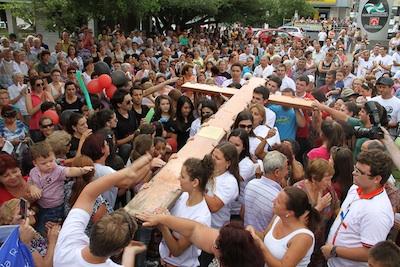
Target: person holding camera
390,102
371,117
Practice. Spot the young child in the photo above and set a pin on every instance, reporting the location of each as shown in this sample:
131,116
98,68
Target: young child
46,181
160,147
339,84
384,254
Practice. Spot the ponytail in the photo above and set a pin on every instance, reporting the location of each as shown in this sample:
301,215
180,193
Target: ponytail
313,218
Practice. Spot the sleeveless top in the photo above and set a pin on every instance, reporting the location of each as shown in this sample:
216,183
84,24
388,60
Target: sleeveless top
278,247
54,90
325,67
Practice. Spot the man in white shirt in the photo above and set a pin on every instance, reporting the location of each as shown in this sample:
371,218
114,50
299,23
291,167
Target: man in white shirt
111,235
322,37
261,96
263,70
328,44
318,54
365,63
244,56
286,81
236,72
396,60
348,80
391,103
383,62
366,215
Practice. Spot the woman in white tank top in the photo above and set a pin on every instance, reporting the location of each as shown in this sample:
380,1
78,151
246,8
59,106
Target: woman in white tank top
288,240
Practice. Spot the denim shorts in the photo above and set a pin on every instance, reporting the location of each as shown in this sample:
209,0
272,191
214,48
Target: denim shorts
48,214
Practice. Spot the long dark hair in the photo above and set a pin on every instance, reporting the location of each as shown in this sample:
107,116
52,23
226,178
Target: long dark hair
81,181
343,162
113,160
237,247
244,115
244,136
333,132
298,202
179,117
157,108
230,154
98,120
200,169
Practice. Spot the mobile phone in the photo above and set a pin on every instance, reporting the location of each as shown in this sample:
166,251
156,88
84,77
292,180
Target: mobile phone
23,207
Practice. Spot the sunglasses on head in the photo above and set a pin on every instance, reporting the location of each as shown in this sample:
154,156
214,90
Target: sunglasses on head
10,114
43,126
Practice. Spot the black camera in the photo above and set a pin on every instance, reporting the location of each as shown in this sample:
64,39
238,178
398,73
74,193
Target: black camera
375,131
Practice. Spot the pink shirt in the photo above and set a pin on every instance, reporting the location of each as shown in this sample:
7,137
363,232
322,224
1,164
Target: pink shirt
318,153
52,185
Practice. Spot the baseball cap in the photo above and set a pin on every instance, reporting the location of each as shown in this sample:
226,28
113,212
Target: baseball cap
385,81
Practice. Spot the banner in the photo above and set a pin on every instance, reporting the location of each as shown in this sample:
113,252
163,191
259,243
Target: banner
374,16
322,2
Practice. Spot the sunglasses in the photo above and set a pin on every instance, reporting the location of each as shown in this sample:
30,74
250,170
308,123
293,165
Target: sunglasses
44,126
244,126
10,114
71,72
128,102
39,84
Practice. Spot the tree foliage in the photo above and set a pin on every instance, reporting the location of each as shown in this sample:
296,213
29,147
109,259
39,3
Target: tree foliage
22,10
285,9
67,14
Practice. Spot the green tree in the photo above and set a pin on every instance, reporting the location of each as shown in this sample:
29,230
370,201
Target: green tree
21,9
285,9
244,11
185,13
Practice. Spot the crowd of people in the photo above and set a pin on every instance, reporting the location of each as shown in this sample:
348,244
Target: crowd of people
288,186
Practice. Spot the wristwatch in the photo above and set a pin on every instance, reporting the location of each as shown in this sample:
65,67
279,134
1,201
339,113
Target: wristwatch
333,252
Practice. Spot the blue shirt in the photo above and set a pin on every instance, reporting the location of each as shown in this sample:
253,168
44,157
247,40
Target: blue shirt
18,134
285,121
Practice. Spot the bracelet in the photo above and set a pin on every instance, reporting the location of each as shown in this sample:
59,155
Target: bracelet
389,143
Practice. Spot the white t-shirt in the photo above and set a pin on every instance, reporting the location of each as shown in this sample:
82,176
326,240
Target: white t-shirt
288,83
111,194
229,81
199,213
14,91
226,189
72,239
396,58
195,127
322,36
247,170
363,66
271,117
366,222
392,106
387,61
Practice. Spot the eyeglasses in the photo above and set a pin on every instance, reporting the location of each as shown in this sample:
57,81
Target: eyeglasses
44,126
244,126
39,84
361,172
128,102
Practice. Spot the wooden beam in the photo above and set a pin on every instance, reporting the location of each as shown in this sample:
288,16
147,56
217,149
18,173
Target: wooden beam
273,99
164,188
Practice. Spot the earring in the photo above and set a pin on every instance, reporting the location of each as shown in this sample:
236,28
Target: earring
227,167
286,216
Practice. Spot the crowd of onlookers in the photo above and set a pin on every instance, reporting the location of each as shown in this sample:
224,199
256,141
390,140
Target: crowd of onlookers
288,186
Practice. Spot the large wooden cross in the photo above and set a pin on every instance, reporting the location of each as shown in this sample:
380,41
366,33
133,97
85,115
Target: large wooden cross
165,187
